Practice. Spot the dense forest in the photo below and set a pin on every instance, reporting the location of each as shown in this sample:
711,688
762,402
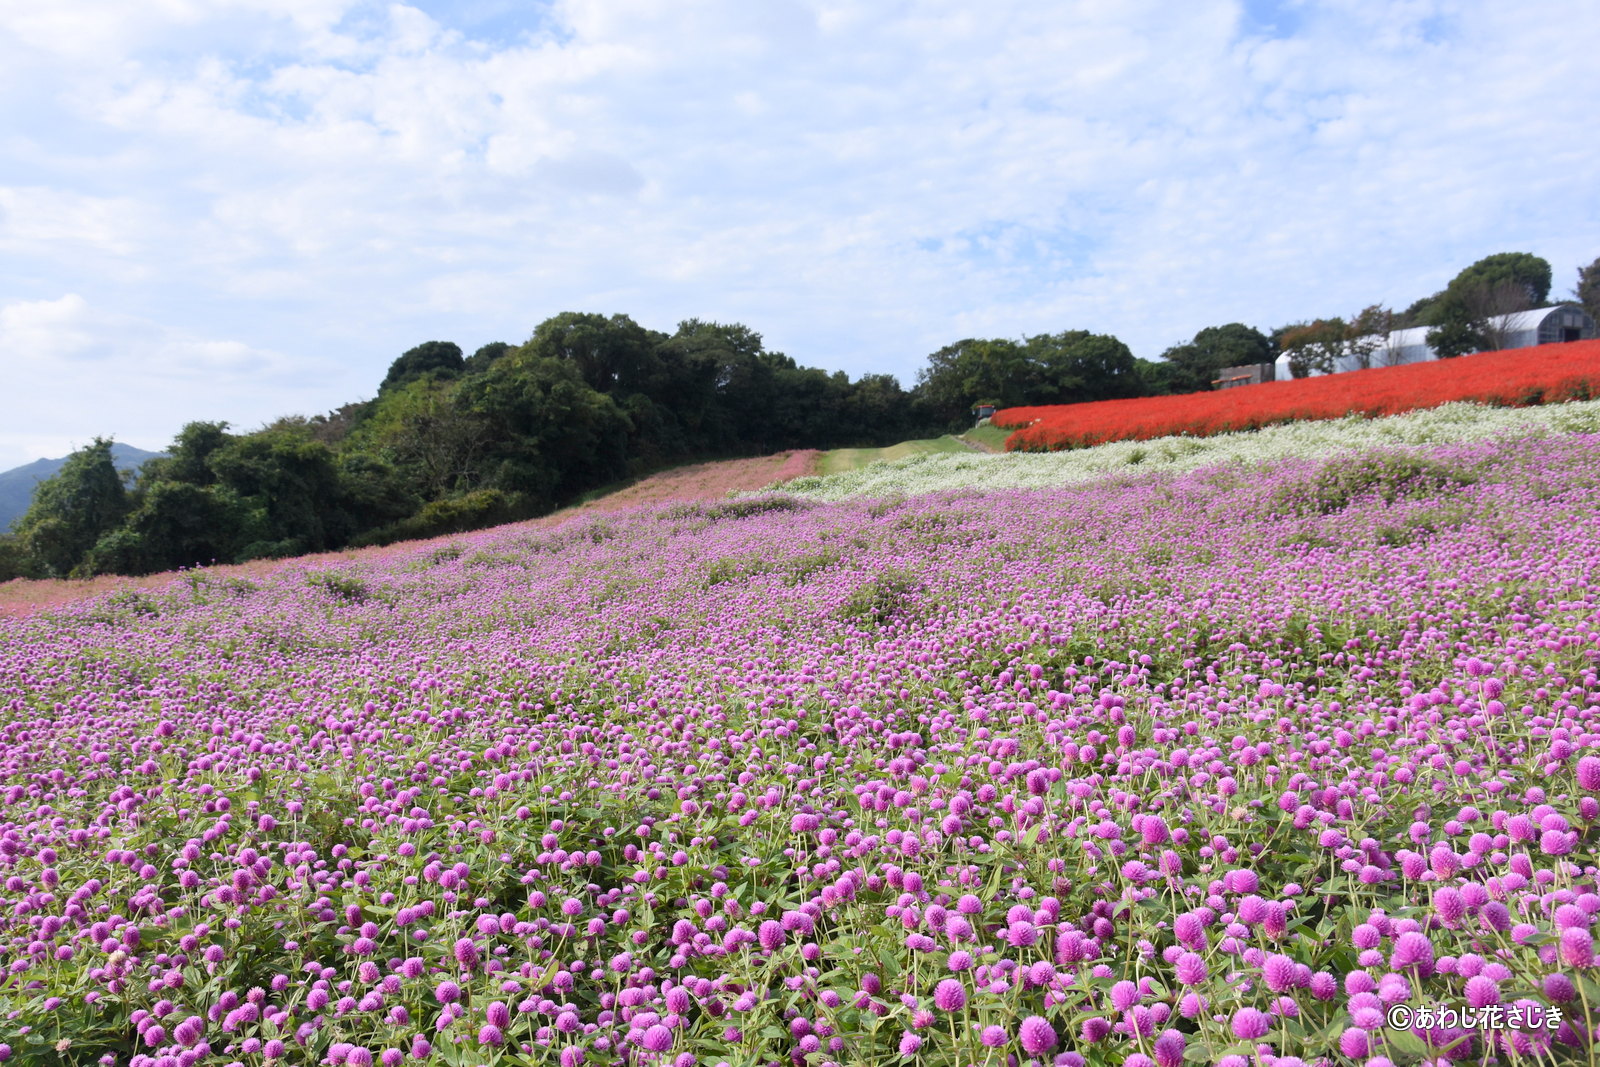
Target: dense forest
453,442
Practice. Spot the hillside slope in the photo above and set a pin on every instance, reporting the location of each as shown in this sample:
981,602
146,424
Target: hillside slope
694,483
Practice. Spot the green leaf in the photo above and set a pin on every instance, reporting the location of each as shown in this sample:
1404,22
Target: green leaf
1405,1041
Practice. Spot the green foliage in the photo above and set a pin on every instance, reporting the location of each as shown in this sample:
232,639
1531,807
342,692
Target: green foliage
469,511
343,586
1078,366
15,562
1388,475
1070,367
1192,367
1588,289
429,361
975,371
611,355
423,431
746,507
1457,335
885,598
485,357
1525,271
179,524
73,510
1462,315
292,483
541,430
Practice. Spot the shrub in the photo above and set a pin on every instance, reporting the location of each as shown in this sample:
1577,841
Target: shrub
748,507
1386,475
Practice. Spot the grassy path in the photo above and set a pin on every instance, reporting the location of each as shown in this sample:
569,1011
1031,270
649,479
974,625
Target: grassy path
840,460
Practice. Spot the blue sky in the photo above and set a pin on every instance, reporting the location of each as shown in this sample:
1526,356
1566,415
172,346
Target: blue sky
238,209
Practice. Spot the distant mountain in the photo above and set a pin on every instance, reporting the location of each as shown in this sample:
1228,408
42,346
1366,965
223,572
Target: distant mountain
16,485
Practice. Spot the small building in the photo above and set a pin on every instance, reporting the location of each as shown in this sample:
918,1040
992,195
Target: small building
1249,374
1520,329
984,411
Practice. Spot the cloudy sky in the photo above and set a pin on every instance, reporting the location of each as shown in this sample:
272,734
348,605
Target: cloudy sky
238,209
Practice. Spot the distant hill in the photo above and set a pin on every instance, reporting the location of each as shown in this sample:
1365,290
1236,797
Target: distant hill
16,485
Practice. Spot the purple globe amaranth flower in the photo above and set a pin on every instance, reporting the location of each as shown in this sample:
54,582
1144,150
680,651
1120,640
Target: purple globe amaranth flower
187,1033
1036,1036
466,954
993,1036
1449,905
657,1038
909,1043
1124,995
1480,992
1559,988
1279,973
1414,952
1168,1049
1577,947
770,934
1496,916
950,995
1355,1042
1022,934
447,992
1589,774
1250,1024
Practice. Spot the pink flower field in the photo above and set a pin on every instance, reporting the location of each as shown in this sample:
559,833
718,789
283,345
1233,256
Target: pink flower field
1238,768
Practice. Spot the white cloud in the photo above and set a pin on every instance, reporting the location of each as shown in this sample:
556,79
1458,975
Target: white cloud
74,371
860,182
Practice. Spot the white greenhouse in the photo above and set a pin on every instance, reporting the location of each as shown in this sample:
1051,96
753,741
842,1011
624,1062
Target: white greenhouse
1521,329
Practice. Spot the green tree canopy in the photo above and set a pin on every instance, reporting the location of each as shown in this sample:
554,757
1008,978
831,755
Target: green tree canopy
84,501
548,434
1588,289
1495,285
974,371
1524,271
438,360
612,355
1197,363
1076,366
485,357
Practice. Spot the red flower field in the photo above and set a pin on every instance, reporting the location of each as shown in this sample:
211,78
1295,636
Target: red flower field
1515,377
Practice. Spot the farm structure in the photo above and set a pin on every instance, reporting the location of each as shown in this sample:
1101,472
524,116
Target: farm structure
1520,329
1248,374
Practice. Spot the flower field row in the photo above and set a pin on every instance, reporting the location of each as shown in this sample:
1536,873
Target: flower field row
1448,424
1190,768
1544,374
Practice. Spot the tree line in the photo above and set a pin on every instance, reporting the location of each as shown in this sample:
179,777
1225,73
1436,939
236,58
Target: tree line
453,442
